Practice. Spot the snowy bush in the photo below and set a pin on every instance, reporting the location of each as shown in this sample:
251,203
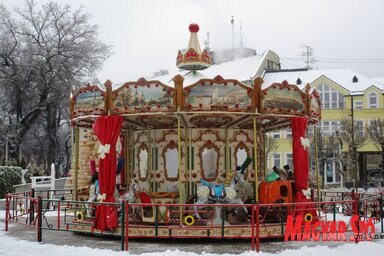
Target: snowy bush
33,170
9,176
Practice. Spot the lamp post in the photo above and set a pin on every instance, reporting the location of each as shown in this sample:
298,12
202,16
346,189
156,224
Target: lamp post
354,148
340,149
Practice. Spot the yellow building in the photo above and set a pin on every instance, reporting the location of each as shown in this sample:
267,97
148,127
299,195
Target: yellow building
338,90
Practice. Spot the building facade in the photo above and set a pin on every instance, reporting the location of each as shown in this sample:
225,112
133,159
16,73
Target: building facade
344,94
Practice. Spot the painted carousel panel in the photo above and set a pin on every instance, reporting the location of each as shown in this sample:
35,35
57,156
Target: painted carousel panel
143,96
283,99
89,100
222,95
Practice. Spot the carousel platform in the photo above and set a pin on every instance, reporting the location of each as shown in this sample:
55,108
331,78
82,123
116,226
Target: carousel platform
271,230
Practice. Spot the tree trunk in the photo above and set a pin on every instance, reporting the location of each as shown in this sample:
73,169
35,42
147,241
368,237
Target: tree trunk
52,133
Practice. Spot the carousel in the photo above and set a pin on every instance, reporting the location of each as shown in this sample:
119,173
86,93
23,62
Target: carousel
188,159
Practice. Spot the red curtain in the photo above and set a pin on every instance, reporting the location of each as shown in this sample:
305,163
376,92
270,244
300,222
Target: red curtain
122,175
107,129
300,164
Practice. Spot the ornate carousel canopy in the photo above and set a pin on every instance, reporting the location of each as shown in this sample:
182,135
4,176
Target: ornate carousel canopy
208,103
193,58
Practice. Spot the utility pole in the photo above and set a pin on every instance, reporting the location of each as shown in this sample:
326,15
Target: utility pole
308,56
233,33
241,35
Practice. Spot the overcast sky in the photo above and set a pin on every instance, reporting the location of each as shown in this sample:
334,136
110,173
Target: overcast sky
147,34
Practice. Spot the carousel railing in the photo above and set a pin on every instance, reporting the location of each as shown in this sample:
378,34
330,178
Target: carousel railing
255,221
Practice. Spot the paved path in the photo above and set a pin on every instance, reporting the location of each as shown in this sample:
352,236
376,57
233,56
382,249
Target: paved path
138,246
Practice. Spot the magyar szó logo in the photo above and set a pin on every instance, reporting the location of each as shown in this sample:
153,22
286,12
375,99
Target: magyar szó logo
300,229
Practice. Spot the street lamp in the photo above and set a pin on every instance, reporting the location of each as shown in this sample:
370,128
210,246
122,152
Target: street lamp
354,147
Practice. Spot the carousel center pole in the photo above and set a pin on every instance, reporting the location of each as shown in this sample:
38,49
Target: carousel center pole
77,152
255,160
150,167
227,152
179,167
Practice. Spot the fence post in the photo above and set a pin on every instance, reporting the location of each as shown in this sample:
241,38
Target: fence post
253,227
7,198
39,219
126,212
222,220
157,220
32,207
334,211
122,224
381,212
257,227
282,219
355,203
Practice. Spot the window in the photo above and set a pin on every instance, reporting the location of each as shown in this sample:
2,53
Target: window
372,125
372,100
358,126
276,135
289,158
332,171
334,126
276,160
327,128
289,134
358,104
329,172
330,99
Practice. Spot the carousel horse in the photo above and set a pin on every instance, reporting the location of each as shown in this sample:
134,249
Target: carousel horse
224,193
130,196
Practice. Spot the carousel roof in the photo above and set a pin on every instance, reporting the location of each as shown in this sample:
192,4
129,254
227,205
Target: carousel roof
244,70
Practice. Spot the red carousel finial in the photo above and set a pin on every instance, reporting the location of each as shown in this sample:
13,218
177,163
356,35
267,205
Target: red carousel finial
193,28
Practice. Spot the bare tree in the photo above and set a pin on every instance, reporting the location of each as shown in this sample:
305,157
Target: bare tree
376,133
328,147
352,135
270,147
44,51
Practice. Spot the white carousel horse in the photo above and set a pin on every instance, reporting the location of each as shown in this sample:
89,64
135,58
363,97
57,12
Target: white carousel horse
224,193
130,197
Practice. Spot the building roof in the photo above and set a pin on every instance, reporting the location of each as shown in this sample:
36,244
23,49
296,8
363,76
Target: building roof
380,80
343,77
243,69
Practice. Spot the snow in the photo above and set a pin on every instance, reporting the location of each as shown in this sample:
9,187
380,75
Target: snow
17,247
241,69
343,77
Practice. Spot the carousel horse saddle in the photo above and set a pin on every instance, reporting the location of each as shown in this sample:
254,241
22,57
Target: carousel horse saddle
218,190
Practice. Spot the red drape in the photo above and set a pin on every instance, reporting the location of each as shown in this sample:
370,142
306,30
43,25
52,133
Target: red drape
107,129
122,154
300,164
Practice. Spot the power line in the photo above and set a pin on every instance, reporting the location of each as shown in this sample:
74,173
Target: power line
290,64
341,60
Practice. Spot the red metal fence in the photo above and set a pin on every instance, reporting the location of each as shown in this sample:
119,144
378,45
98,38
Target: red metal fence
256,221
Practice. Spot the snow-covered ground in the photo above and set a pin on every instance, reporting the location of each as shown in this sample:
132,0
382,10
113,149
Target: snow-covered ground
14,246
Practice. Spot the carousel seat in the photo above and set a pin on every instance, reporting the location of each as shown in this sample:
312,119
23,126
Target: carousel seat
149,212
